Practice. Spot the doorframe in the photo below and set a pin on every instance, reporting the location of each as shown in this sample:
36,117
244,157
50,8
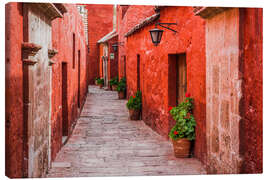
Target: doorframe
173,78
177,74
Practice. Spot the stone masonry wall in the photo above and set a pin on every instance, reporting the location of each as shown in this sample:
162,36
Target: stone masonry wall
223,92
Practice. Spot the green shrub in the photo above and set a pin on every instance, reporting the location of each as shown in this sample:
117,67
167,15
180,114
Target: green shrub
100,81
135,102
114,81
97,78
185,121
121,86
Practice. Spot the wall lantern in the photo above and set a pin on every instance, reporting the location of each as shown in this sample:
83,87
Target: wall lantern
115,46
156,34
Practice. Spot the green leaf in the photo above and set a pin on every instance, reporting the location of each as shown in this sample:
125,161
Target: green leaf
185,121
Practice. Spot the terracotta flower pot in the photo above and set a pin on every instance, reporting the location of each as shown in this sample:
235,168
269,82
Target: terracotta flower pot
181,148
100,86
121,95
114,87
134,114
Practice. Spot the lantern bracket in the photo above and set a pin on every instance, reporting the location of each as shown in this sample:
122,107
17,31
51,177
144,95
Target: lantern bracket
167,26
118,43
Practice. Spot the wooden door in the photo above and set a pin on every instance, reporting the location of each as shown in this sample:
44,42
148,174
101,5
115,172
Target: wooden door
181,77
64,100
105,71
138,73
125,75
79,78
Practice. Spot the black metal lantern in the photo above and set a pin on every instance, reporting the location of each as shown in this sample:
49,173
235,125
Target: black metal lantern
156,35
115,46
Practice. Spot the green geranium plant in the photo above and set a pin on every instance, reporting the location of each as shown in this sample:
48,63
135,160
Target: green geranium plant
135,102
121,86
100,81
185,121
114,81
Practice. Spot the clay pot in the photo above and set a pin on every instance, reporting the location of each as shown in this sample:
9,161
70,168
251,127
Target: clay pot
114,87
100,86
121,95
134,114
181,148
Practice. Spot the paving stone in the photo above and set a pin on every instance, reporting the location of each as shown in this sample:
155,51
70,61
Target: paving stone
106,143
61,164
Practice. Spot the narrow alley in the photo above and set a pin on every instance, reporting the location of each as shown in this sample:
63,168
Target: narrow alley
123,90
106,143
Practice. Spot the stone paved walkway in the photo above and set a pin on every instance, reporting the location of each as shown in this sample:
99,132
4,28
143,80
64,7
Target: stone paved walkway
106,143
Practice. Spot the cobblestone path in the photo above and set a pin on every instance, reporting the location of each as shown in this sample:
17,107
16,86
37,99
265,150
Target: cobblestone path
106,143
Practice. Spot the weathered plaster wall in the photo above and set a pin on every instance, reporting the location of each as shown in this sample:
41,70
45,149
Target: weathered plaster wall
100,23
127,18
62,41
39,25
14,91
234,91
27,139
223,92
251,66
155,73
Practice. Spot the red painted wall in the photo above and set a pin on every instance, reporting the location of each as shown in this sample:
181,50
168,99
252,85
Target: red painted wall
100,23
62,29
251,65
14,91
155,64
127,18
113,63
62,41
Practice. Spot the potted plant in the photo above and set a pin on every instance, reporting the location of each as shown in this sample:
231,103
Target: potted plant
100,82
121,88
184,130
96,80
134,106
113,82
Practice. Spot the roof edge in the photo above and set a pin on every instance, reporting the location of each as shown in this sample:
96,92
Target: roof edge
108,36
143,23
